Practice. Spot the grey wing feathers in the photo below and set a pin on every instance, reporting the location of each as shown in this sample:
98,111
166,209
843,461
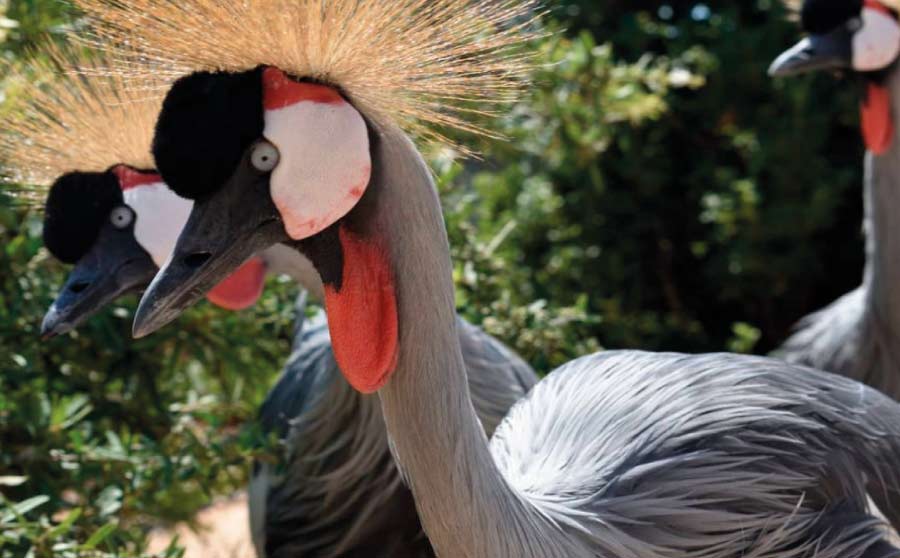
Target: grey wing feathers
644,455
498,377
881,549
830,338
338,470
304,376
848,338
298,388
342,494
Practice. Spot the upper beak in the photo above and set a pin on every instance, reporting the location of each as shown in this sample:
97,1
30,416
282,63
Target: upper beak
116,265
222,233
831,51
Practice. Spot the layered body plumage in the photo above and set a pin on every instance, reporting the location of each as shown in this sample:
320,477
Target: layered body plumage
711,455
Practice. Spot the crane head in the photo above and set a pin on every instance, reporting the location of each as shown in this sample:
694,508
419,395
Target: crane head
89,224
861,36
856,35
270,159
117,227
266,159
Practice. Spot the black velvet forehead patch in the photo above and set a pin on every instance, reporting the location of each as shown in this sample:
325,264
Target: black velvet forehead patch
822,16
207,122
77,207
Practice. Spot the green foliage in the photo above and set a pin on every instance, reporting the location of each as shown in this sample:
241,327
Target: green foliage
123,433
664,183
27,22
658,191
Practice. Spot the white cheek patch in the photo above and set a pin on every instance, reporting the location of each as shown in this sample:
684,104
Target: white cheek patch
877,44
160,216
324,165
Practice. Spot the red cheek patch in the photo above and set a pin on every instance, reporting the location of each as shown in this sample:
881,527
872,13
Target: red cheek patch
362,315
877,124
241,289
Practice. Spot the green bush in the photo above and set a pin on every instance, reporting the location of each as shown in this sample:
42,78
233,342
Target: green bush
658,191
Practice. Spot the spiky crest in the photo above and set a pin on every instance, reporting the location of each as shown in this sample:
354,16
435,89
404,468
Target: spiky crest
420,63
77,116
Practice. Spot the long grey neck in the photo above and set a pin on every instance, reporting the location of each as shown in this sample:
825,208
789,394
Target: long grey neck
466,507
882,203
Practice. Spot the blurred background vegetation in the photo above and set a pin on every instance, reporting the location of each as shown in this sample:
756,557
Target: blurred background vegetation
659,191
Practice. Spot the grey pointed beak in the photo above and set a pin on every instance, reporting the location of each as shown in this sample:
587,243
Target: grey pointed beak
85,292
222,233
116,265
832,51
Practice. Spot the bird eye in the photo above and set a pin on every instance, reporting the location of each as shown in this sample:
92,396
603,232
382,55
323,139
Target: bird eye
121,217
264,156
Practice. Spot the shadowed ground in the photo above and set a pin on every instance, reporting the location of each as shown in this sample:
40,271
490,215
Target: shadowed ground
223,532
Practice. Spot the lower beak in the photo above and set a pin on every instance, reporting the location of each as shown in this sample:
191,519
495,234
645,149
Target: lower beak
207,252
90,287
832,51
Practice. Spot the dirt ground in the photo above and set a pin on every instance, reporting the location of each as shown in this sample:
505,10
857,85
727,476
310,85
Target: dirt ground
224,532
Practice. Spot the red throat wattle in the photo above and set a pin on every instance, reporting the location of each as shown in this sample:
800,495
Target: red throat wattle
877,124
362,315
241,289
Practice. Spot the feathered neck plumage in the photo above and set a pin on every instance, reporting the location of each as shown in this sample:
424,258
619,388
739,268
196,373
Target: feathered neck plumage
882,198
466,506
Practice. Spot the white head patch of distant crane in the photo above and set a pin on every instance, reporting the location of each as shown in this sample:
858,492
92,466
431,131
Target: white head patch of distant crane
877,43
159,213
319,153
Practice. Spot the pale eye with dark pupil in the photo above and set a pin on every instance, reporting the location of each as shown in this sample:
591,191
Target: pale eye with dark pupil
264,156
121,217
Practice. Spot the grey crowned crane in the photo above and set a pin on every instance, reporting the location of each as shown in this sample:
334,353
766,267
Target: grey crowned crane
626,454
117,224
83,138
859,334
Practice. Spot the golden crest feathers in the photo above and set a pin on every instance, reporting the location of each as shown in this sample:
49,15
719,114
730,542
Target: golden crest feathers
418,62
76,116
